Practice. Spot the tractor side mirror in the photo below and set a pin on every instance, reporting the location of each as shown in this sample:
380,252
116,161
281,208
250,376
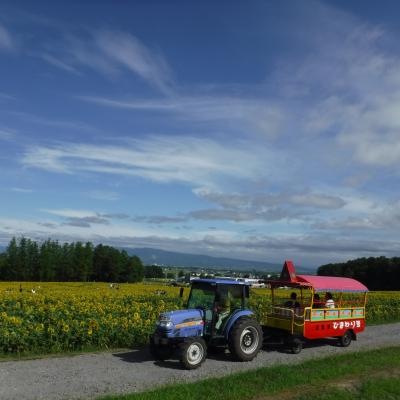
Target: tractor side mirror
181,292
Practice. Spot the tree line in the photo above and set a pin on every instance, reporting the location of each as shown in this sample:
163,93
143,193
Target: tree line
27,260
377,273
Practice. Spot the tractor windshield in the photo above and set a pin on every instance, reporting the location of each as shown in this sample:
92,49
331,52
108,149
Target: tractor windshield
202,296
231,296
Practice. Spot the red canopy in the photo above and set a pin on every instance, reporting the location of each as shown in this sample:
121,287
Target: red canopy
332,283
319,283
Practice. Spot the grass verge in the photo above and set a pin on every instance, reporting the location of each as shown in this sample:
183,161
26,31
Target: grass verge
367,388
314,378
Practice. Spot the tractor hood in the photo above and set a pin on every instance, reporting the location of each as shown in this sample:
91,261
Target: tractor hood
179,316
181,323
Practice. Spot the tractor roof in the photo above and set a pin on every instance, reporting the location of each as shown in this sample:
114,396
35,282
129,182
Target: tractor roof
217,281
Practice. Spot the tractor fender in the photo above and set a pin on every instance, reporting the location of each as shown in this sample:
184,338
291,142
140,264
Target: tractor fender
233,318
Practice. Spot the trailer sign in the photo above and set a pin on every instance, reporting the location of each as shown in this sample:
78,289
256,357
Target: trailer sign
347,324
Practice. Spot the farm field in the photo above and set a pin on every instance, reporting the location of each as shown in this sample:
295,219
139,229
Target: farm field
61,317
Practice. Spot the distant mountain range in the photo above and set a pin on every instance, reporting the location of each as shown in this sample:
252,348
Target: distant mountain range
170,258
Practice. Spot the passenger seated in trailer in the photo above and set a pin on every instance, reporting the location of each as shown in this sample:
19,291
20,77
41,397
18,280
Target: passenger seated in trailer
329,303
317,302
292,303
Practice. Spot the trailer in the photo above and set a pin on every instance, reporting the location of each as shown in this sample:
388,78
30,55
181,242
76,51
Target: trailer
299,312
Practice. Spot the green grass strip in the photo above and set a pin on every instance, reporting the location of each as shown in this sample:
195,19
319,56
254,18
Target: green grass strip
270,381
367,389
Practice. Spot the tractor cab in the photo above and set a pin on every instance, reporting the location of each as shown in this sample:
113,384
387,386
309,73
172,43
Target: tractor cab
219,299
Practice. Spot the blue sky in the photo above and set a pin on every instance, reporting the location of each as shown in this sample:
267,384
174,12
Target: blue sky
262,130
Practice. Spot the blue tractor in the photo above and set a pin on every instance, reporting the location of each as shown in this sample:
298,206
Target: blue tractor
216,316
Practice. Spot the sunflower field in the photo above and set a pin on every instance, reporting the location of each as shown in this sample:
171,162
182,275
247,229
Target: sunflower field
62,317
383,307
55,317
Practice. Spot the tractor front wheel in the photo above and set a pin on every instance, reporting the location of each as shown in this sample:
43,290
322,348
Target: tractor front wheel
193,353
160,353
245,339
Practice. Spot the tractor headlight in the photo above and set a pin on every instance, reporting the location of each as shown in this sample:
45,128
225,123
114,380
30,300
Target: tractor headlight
164,322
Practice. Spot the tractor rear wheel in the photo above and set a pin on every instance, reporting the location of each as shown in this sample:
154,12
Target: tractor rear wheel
192,353
245,339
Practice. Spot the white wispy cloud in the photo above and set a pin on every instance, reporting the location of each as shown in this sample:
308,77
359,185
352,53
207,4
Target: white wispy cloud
128,51
110,52
85,215
70,213
103,195
161,219
254,115
6,96
197,161
70,230
6,41
315,200
384,218
350,102
80,218
51,122
261,207
60,64
7,134
264,206
21,190
49,159
353,83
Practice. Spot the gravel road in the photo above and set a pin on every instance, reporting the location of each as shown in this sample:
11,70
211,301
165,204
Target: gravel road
87,376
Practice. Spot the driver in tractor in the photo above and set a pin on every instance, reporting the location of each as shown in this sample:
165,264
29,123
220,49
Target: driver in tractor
223,309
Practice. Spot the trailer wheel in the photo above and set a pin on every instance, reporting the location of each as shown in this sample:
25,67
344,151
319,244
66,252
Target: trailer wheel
296,346
345,340
160,353
192,353
245,339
